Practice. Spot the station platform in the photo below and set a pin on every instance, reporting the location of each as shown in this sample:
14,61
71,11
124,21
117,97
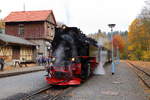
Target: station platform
22,70
123,85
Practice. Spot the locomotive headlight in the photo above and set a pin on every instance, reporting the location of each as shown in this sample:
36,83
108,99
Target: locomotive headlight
73,59
51,64
53,59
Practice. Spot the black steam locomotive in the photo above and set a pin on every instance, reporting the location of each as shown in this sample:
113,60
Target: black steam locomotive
74,57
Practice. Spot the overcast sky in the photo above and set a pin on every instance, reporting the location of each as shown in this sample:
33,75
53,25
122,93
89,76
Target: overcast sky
88,15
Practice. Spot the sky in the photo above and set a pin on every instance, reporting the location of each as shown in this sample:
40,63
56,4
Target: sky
88,15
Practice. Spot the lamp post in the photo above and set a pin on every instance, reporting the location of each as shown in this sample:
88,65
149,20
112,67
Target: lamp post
118,55
113,65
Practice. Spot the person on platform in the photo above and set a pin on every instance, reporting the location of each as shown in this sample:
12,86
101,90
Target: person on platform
1,64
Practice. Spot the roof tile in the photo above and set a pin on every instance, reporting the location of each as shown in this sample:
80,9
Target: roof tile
21,16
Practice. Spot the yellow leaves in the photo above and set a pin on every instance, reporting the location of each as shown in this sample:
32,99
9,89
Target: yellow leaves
146,55
138,40
2,24
130,47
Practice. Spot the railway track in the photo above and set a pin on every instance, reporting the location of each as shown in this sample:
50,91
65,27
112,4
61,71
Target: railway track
142,74
36,93
60,95
48,93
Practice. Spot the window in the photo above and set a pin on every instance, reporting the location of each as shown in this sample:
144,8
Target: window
48,30
21,29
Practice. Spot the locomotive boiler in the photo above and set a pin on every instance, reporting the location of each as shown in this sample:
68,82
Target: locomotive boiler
74,57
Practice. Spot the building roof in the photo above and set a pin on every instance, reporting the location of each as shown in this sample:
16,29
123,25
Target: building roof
14,40
26,16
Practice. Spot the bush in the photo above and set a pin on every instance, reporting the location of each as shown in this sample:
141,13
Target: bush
146,56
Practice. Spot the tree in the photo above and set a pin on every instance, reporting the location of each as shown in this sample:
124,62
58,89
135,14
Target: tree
118,42
60,24
139,35
134,40
145,20
2,24
139,39
101,38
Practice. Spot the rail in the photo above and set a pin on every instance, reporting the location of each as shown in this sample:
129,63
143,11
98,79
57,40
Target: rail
61,94
144,76
58,95
36,93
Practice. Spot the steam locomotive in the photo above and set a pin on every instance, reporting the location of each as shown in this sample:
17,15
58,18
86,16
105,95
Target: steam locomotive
74,57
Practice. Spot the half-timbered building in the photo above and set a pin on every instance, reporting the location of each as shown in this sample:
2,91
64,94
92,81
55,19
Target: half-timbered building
16,48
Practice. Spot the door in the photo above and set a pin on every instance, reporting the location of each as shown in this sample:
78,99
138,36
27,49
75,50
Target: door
15,52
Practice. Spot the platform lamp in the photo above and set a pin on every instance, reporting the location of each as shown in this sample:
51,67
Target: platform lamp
113,64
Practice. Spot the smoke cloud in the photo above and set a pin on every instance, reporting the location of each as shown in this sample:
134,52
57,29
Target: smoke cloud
70,39
65,50
59,55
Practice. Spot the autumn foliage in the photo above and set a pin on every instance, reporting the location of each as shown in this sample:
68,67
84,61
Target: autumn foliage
118,42
139,40
139,35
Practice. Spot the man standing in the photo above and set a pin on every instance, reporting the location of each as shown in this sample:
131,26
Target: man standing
1,64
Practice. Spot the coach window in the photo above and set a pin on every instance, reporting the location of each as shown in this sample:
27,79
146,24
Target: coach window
21,29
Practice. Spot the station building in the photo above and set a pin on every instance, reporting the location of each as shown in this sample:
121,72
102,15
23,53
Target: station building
36,27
